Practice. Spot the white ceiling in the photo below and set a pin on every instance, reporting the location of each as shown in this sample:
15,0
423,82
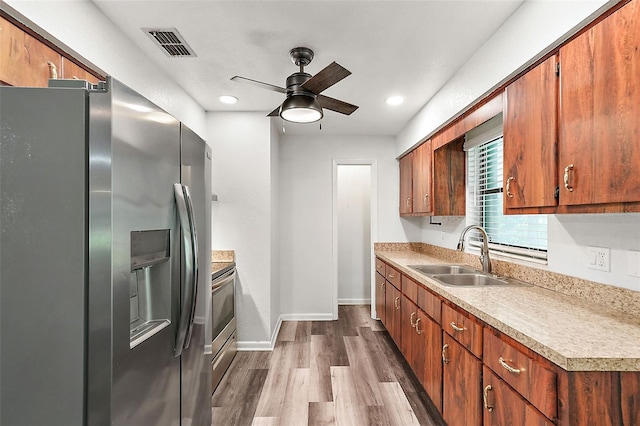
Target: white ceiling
408,48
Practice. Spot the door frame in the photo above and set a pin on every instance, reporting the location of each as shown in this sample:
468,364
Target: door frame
374,227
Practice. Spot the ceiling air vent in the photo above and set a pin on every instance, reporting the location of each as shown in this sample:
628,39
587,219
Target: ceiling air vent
170,41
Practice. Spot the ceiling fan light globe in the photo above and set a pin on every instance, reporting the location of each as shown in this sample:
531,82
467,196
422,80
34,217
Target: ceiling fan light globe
301,109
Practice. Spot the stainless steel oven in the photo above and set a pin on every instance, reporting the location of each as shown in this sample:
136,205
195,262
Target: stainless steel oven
223,322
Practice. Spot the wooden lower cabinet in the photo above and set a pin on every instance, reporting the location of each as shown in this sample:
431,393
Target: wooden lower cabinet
392,312
427,357
380,302
461,385
408,314
503,406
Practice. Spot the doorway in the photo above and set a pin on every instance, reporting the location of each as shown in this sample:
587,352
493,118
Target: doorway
354,231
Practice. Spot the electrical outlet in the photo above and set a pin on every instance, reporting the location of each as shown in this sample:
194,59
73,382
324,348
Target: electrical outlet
633,263
599,258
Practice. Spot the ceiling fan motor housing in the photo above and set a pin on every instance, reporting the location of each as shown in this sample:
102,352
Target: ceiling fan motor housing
295,81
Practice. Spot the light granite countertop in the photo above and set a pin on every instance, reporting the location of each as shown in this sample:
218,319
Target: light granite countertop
575,334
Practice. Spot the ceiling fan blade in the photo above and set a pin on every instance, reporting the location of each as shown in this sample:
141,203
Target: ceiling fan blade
275,112
336,105
327,77
259,84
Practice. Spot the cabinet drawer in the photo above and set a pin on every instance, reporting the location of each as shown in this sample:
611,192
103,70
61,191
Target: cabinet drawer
381,267
525,374
461,327
410,289
503,406
430,303
393,276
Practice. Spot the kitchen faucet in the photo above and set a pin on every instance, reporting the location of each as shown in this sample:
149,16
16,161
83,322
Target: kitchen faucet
484,251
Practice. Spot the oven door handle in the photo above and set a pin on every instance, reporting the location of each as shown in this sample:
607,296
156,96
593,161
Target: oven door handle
222,281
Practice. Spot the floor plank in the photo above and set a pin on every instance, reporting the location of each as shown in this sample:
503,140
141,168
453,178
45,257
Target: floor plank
344,372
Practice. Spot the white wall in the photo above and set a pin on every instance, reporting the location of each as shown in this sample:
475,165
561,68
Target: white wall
354,233
81,26
275,227
306,170
242,217
525,36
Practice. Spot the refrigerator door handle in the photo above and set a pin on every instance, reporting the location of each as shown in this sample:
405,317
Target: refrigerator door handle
194,269
187,283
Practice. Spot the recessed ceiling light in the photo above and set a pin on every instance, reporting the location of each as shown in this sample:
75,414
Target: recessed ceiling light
394,100
226,99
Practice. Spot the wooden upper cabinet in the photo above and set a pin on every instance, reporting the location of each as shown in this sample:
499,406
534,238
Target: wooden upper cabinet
24,60
449,179
422,169
71,70
406,184
599,144
530,138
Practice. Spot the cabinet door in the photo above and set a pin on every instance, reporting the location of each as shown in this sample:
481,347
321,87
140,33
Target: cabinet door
503,406
406,185
393,304
408,315
71,70
24,60
530,138
449,173
461,385
599,128
380,302
426,356
422,169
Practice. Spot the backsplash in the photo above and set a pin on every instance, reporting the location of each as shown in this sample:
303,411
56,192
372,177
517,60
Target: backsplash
620,299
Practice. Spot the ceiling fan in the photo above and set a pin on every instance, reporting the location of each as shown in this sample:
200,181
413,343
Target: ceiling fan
304,102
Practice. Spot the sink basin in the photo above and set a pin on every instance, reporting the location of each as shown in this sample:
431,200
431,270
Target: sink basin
476,280
443,269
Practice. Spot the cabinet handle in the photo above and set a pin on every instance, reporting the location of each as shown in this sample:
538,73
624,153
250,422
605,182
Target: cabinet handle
417,327
485,396
509,194
53,70
426,198
456,328
413,323
391,276
444,353
396,302
409,202
382,287
507,367
568,169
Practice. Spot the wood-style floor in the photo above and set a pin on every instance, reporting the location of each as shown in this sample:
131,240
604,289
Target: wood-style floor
345,372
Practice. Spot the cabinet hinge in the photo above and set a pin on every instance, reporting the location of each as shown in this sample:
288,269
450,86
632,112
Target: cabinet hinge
558,69
556,193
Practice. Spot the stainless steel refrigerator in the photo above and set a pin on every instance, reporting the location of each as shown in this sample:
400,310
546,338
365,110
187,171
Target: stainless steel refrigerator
104,260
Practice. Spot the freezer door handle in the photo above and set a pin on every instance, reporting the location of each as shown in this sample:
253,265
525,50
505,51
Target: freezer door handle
194,267
189,271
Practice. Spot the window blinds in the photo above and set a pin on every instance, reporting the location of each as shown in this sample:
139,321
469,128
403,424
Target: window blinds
519,236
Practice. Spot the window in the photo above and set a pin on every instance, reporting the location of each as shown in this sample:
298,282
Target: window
520,236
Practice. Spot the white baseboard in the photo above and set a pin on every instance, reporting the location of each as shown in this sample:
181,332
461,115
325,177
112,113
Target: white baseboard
354,301
307,317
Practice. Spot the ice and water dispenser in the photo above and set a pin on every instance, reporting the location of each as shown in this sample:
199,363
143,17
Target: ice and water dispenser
149,284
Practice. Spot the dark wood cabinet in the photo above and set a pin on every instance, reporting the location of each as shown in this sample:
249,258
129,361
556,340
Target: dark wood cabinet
426,356
408,315
422,171
380,299
24,60
449,179
73,71
392,312
461,385
599,149
530,138
503,406
406,184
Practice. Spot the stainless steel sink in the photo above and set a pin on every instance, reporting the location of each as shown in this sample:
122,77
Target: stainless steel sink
443,269
476,280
